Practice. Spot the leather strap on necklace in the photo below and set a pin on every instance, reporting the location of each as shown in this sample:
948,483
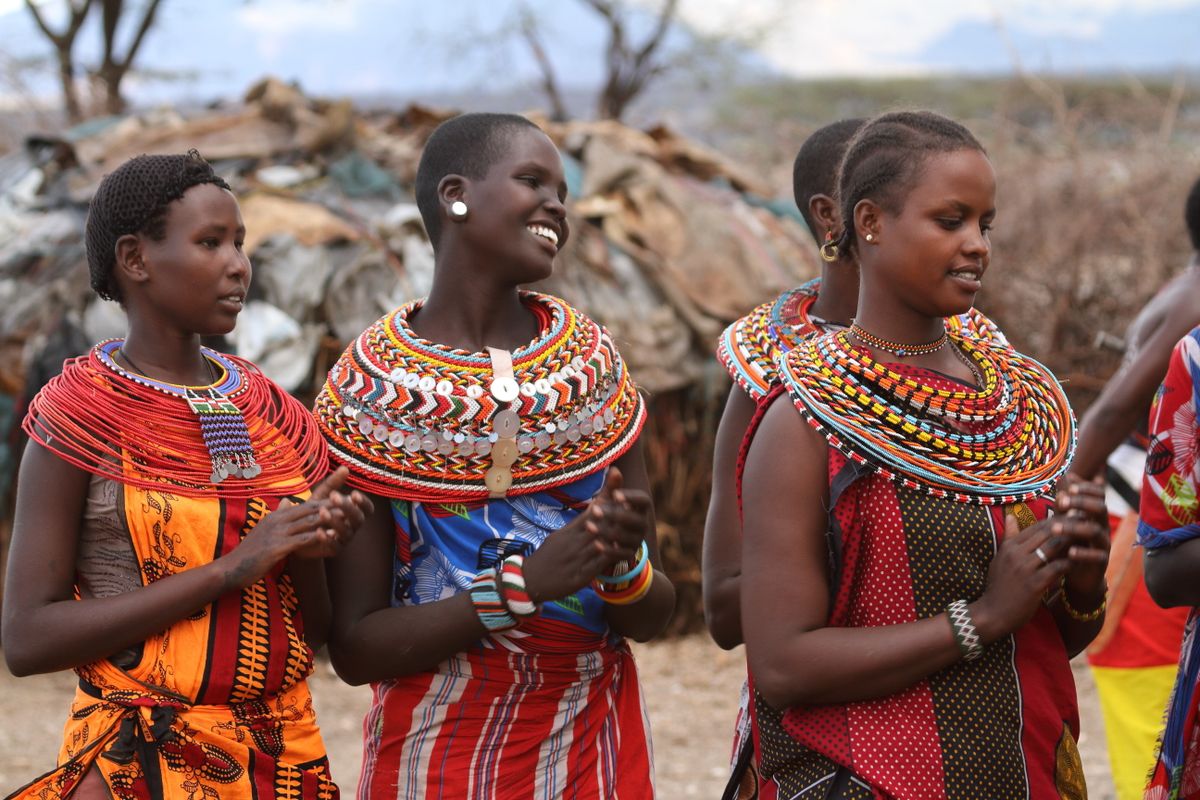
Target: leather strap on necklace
505,425
898,349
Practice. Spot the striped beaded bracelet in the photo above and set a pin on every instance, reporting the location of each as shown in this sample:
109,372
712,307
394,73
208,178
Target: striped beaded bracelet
964,630
631,593
489,606
512,588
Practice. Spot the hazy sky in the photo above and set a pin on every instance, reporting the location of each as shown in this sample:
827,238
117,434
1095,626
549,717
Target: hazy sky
365,46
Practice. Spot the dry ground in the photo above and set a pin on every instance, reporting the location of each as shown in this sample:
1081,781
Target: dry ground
691,687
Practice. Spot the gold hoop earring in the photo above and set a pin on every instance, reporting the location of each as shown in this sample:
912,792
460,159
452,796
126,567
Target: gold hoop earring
829,250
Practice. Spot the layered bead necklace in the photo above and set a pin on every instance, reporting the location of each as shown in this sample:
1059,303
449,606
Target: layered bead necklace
1008,440
420,421
240,436
751,346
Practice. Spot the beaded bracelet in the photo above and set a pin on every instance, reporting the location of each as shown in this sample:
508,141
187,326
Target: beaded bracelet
485,596
627,596
512,588
1080,616
964,630
643,558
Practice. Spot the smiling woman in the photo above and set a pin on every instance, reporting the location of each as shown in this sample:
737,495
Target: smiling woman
513,548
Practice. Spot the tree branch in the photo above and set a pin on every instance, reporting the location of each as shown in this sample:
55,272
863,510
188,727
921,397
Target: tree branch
529,30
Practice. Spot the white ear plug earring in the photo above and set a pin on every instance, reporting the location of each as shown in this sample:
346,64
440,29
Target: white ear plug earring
458,209
870,237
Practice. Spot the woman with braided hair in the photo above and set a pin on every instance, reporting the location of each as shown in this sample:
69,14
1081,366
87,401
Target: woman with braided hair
512,548
170,528
908,605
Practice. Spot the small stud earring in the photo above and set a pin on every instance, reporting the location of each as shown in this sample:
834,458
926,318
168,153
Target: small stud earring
458,209
870,237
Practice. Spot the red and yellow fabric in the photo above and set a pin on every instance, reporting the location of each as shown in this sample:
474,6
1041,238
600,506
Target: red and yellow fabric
216,705
1170,515
1135,656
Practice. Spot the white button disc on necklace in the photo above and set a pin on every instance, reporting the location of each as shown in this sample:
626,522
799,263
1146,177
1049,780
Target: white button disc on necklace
505,389
506,424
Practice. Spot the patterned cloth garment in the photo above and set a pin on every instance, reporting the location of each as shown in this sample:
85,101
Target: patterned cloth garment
549,709
216,705
1169,516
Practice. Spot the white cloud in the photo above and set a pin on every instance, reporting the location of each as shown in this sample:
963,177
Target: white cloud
832,37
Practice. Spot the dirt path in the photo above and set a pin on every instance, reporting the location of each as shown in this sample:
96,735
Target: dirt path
691,689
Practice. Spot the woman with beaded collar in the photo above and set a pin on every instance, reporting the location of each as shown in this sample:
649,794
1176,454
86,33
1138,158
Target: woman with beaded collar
908,607
513,546
163,547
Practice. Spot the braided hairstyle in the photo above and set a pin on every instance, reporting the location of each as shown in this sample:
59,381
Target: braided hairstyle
815,169
886,157
134,199
466,145
1191,215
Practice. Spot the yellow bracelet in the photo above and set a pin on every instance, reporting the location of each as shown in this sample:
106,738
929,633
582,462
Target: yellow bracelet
1080,616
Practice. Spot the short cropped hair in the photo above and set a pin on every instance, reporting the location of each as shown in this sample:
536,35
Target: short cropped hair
815,168
132,199
466,145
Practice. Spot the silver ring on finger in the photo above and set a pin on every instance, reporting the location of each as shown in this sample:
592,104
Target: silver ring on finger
1037,551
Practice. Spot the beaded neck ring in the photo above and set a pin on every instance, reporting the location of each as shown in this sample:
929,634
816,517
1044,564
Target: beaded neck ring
422,421
749,348
1006,441
222,426
898,349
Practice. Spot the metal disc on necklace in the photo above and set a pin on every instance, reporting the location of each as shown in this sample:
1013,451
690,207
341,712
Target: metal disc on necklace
505,389
251,471
506,424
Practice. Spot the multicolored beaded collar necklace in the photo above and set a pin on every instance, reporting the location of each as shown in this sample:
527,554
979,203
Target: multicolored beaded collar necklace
1007,441
750,347
420,421
240,436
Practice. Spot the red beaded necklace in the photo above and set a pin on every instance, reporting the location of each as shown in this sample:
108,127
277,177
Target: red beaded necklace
145,433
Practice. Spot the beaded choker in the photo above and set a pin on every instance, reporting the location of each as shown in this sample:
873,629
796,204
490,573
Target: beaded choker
1007,441
898,349
241,436
420,421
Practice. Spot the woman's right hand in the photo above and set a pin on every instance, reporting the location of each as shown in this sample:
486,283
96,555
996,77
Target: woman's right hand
1028,563
316,526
